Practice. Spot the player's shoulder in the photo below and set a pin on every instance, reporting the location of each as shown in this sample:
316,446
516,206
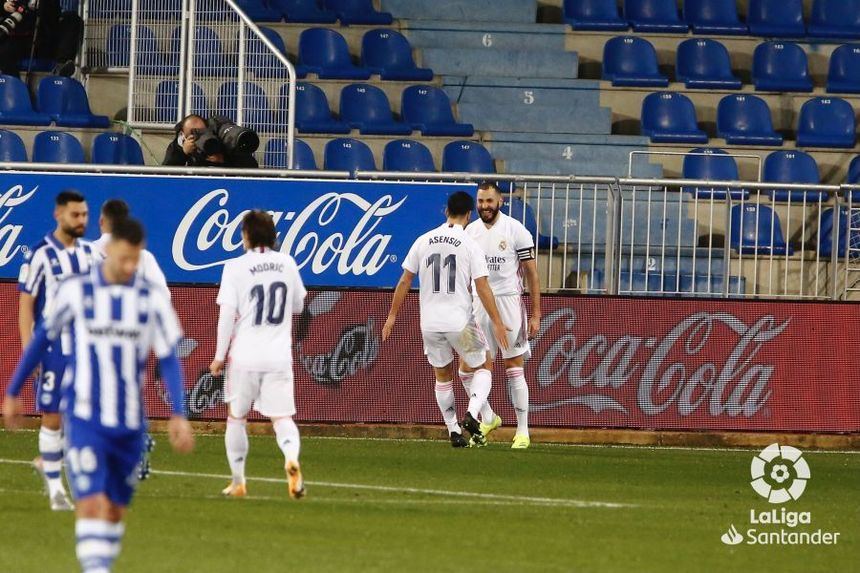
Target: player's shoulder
475,228
511,223
37,248
74,283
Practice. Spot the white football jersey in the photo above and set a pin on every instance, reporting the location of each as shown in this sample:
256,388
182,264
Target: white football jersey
147,269
265,288
505,244
446,261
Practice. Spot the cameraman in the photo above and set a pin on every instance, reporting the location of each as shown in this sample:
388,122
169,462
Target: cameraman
56,38
199,143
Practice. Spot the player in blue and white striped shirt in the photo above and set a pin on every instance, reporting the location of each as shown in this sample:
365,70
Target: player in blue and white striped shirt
59,255
115,318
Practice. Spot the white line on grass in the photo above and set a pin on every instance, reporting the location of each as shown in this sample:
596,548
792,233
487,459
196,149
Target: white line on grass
493,497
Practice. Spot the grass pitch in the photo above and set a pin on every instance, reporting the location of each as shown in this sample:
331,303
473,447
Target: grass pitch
377,505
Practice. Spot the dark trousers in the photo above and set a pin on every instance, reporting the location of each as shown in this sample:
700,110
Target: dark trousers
58,41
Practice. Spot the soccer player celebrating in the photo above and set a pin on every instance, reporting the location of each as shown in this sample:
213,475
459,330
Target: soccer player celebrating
446,261
510,252
57,256
263,287
116,318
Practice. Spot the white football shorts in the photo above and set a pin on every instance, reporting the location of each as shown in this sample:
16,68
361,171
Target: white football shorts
514,316
271,393
470,344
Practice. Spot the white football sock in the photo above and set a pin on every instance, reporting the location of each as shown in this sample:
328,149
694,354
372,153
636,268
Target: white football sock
487,414
98,544
236,442
287,434
51,450
519,398
482,382
446,402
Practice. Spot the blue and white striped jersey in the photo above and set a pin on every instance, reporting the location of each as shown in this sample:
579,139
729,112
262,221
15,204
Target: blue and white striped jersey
113,329
48,263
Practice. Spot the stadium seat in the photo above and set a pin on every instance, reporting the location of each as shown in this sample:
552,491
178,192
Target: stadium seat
57,147
259,11
632,61
351,12
209,56
407,155
714,165
116,149
312,111
854,171
825,232
347,154
670,118
702,63
524,214
467,157
745,120
844,74
598,15
835,19
304,11
428,108
387,52
15,105
654,16
11,147
714,17
780,67
325,53
65,101
275,155
366,108
260,60
776,18
257,112
792,167
151,60
826,122
167,101
755,229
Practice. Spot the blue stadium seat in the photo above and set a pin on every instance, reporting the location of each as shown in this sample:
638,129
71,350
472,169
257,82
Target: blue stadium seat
15,105
714,17
65,101
167,101
844,74
467,157
347,154
351,12
209,56
407,155
258,113
755,229
116,149
260,60
835,19
312,111
745,120
599,15
654,16
304,11
776,18
275,155
825,232
792,167
854,172
631,61
715,165
524,214
57,147
11,147
325,52
702,63
780,67
428,108
366,107
387,52
151,60
826,122
259,11
670,118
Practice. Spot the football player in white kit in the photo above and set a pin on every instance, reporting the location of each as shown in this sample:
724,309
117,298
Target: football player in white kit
264,289
447,262
510,251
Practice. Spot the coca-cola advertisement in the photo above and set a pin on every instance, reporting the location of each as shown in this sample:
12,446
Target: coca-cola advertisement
684,364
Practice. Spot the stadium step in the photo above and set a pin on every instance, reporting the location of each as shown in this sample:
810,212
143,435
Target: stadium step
522,11
489,35
537,119
582,168
509,63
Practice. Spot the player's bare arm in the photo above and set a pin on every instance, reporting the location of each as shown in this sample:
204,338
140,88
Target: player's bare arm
482,287
26,317
226,323
530,270
399,296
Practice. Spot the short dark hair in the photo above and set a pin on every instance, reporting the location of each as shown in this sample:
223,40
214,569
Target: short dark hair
460,203
129,230
181,125
484,185
113,210
260,229
67,196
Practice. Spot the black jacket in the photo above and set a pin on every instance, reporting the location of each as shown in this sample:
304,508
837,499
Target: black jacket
176,156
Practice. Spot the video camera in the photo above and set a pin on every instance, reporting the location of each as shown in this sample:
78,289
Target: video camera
223,135
11,21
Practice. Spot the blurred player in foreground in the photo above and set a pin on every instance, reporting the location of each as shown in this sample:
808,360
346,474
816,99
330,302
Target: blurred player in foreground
116,318
264,288
446,261
510,251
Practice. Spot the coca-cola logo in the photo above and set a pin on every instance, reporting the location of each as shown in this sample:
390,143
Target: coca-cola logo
10,233
339,231
597,368
356,349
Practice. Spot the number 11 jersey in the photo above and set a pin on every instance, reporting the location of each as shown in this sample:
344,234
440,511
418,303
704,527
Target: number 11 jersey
265,288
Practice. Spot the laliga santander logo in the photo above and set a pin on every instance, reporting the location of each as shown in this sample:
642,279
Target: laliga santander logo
779,473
